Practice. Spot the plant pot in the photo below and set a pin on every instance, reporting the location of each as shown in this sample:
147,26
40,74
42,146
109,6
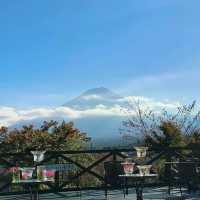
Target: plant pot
128,167
44,174
141,151
144,170
48,175
27,173
38,156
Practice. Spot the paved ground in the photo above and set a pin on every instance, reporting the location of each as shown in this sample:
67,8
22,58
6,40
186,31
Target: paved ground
149,194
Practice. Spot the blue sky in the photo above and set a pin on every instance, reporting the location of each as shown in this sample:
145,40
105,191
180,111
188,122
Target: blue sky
51,51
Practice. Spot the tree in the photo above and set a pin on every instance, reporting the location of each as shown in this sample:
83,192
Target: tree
194,138
157,127
50,136
169,136
3,133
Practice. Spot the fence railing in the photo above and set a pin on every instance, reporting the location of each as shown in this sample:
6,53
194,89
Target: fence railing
88,166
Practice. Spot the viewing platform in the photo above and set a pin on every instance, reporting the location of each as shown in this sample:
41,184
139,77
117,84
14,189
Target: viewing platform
172,176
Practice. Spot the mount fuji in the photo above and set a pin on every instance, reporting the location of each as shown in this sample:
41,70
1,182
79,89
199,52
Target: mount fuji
93,98
103,127
96,112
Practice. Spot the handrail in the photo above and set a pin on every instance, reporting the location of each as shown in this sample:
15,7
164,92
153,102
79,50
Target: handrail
113,154
196,147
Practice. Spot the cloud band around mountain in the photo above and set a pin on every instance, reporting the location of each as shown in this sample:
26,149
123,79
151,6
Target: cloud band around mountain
10,115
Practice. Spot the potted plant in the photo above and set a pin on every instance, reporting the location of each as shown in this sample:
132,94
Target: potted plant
38,155
141,151
144,170
48,174
128,166
27,173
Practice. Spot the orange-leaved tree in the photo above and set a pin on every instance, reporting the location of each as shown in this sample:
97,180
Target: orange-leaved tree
50,136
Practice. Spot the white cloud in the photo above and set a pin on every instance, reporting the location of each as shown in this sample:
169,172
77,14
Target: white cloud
151,103
10,115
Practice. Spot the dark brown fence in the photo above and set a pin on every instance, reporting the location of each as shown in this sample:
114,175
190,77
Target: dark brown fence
87,171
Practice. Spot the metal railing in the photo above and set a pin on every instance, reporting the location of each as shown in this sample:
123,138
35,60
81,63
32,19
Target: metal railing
87,163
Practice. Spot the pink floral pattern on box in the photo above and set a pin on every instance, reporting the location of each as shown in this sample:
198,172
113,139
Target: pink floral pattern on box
48,173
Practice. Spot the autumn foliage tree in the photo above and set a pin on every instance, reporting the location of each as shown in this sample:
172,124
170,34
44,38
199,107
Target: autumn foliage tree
164,128
50,136
168,135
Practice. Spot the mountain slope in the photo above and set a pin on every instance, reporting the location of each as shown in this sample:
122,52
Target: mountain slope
94,97
95,112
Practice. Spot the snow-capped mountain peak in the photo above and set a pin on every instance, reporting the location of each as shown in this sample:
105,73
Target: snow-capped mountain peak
94,97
